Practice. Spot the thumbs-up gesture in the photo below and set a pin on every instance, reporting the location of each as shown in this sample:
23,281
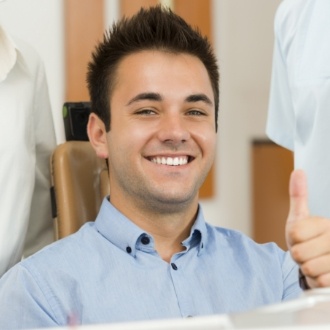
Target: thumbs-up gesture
307,237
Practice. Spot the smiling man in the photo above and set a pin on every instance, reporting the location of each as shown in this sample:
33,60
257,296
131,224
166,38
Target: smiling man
161,143
150,254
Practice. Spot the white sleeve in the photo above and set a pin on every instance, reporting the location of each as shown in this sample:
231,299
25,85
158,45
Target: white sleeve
40,230
27,139
280,121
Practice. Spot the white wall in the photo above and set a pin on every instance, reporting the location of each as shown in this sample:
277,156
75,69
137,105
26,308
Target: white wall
244,44
243,31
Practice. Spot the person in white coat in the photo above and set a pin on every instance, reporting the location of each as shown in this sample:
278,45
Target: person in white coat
27,138
299,107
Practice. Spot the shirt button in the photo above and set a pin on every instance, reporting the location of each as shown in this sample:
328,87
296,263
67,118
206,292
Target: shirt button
128,249
145,240
174,266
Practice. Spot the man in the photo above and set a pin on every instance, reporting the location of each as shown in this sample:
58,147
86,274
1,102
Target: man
150,254
27,139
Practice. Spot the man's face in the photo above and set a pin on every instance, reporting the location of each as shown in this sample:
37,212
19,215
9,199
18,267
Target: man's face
162,139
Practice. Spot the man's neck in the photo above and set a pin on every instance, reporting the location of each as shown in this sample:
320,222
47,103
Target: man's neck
168,229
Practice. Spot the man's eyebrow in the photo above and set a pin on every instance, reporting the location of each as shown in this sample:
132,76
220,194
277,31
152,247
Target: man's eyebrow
145,96
199,97
157,97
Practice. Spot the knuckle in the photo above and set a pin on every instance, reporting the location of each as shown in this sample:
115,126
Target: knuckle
296,254
294,233
307,269
322,281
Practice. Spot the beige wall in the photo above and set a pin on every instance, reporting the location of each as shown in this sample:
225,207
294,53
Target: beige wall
244,43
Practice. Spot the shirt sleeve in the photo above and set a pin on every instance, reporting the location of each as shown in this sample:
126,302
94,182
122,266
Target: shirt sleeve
280,121
22,303
290,272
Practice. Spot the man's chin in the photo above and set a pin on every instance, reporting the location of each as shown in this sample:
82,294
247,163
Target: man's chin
172,203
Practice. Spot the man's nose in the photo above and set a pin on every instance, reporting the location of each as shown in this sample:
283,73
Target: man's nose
173,129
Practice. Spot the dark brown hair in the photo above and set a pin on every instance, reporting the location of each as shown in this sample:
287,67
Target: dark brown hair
152,28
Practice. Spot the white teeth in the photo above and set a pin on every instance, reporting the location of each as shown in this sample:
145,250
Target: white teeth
171,161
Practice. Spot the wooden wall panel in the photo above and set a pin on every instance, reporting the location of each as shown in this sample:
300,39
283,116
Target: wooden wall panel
84,26
272,166
197,13
129,7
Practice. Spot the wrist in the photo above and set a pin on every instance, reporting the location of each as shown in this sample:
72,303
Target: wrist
303,281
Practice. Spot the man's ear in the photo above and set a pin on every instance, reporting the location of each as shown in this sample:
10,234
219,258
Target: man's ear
97,135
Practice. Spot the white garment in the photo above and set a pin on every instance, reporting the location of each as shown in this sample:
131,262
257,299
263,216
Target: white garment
299,108
27,138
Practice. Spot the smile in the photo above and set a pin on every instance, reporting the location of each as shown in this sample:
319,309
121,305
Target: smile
172,161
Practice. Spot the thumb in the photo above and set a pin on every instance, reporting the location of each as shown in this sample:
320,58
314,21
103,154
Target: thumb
298,196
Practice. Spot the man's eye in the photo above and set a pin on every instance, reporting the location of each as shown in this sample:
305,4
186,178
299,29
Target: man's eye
146,112
196,113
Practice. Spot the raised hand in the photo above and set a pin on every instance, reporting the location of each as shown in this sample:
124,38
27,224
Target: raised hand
307,237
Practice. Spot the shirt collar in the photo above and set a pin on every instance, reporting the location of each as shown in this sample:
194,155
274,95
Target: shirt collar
127,236
8,54
198,233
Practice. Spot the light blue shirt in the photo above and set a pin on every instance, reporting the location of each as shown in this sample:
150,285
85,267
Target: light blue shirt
109,271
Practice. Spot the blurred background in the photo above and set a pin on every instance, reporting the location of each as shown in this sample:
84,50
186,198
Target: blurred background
247,188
